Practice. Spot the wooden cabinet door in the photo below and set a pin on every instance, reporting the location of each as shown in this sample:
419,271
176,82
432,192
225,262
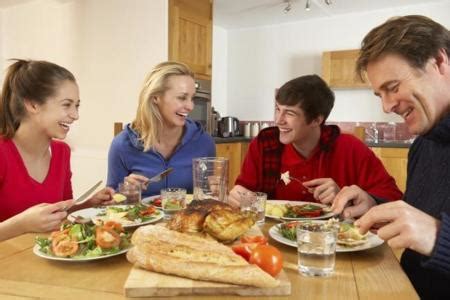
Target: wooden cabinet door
235,152
190,35
395,160
338,69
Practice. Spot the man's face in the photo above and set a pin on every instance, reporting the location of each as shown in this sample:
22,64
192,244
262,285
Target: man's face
419,96
293,126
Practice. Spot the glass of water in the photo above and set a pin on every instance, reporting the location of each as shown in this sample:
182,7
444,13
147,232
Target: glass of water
173,200
256,203
316,246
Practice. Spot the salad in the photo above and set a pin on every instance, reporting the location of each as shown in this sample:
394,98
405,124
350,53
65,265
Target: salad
80,241
127,214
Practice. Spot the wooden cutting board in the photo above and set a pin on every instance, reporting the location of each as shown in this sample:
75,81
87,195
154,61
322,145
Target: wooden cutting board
143,283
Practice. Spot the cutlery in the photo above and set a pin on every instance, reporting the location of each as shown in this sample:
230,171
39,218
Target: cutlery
160,176
86,194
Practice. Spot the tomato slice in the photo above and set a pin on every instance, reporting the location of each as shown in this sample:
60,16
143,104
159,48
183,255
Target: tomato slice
267,258
113,225
244,249
148,212
106,237
65,248
258,239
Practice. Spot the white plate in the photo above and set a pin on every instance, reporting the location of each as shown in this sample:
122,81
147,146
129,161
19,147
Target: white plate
92,213
46,256
372,241
275,202
149,200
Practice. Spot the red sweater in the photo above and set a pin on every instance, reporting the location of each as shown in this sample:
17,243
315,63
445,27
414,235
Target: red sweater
347,161
19,191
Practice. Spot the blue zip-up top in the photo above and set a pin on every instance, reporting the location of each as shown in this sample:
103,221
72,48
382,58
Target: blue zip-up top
126,155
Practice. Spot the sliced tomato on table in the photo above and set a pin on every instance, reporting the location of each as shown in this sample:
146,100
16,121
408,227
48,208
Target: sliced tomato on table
267,258
258,239
244,249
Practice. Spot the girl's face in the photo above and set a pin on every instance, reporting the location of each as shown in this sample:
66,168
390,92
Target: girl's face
57,114
177,102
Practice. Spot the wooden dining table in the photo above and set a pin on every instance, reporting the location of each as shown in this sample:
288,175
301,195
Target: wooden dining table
370,274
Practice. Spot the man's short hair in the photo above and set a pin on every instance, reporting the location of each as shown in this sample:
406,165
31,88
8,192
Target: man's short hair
311,93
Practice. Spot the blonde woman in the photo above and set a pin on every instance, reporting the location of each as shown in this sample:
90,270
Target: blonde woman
162,134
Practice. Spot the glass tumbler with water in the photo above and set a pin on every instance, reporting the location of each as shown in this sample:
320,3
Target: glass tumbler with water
255,202
210,178
316,245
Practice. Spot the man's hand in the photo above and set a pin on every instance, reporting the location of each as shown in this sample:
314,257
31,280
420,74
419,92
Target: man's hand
323,189
405,226
234,197
352,202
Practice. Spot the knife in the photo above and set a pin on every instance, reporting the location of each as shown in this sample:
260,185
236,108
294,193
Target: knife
84,197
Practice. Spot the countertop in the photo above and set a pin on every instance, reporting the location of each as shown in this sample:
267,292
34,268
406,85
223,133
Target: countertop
381,144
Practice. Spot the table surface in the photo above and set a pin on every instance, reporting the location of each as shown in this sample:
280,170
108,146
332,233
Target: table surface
370,274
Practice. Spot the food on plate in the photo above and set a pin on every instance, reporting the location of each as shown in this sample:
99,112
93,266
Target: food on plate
348,234
173,204
285,177
275,210
80,241
268,258
159,249
303,211
119,197
127,214
218,219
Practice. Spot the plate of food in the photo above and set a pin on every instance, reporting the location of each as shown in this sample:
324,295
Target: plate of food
126,215
349,238
297,210
83,242
157,201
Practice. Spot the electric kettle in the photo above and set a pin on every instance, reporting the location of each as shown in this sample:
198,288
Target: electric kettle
229,127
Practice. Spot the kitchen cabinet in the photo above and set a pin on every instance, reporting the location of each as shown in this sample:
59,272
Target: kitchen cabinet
395,160
235,152
190,35
338,69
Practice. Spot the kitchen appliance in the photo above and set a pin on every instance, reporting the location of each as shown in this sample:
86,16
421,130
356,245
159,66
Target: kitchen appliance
215,118
202,104
229,127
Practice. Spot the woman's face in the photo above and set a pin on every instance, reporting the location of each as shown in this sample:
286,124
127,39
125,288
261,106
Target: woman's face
57,114
177,102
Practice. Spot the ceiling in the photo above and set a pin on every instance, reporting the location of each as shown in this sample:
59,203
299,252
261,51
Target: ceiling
233,14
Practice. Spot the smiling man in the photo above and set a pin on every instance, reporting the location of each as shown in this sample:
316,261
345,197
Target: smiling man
407,63
320,159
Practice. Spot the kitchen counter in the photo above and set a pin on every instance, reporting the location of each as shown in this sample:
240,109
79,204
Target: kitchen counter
234,139
391,144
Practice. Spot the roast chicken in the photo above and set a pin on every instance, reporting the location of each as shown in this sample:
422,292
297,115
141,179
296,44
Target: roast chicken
217,219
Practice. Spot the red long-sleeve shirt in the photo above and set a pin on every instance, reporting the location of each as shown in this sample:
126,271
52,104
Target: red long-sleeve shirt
19,191
348,161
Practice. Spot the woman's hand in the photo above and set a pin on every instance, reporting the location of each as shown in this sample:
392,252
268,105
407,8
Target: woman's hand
43,217
102,197
136,179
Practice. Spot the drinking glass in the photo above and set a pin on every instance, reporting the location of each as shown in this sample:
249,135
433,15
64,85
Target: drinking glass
131,192
316,246
172,200
255,202
210,178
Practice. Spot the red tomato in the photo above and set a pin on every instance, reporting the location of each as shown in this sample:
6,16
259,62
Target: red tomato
258,239
244,249
148,212
65,248
106,237
113,225
267,258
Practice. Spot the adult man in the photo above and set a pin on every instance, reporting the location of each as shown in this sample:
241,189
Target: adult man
318,157
407,63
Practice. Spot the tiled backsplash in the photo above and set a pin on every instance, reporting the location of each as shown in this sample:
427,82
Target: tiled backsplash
386,131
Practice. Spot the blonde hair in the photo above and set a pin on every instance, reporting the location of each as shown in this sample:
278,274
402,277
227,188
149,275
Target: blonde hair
148,121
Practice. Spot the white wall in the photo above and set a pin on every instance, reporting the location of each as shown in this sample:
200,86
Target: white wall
109,45
219,69
261,59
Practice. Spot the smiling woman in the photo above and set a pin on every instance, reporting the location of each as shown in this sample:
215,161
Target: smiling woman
162,134
39,102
